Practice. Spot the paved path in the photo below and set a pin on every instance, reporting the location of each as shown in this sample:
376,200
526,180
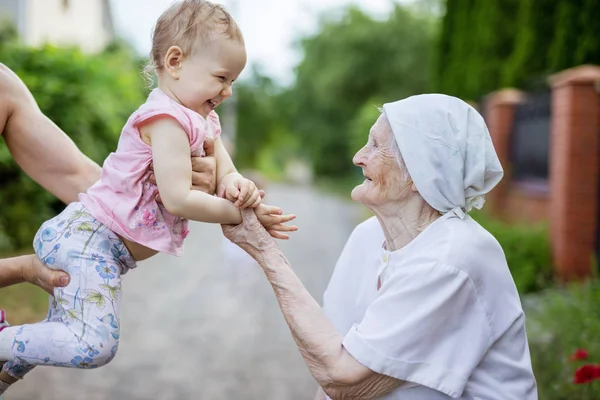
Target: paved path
199,328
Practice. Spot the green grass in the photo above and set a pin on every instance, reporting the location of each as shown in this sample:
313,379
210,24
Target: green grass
24,303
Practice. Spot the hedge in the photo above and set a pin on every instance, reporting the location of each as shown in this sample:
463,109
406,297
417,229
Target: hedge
89,96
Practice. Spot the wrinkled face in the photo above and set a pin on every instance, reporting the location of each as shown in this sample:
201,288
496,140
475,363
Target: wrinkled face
385,181
203,81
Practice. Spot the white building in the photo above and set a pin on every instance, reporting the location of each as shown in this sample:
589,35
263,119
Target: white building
86,23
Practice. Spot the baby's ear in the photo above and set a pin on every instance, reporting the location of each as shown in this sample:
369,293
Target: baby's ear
173,60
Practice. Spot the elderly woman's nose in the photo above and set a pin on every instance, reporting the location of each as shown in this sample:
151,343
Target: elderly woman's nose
357,160
359,157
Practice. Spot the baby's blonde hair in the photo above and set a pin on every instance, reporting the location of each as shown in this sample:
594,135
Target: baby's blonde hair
186,24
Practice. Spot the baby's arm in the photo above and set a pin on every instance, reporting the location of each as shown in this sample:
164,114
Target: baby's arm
225,165
173,171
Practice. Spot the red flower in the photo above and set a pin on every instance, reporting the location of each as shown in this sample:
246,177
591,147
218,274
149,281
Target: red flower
586,374
579,354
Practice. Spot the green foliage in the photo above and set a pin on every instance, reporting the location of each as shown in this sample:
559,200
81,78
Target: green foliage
362,123
476,38
487,45
352,59
559,321
8,32
89,96
527,251
261,116
565,39
529,59
588,44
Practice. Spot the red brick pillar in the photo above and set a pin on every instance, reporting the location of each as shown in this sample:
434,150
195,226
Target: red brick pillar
499,115
574,169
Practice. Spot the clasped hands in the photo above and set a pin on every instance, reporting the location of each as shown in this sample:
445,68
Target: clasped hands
243,193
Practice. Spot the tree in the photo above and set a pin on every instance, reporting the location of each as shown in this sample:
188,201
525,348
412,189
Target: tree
489,44
534,26
255,118
351,60
89,96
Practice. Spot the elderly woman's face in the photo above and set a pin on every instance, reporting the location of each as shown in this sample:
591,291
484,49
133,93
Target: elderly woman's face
385,180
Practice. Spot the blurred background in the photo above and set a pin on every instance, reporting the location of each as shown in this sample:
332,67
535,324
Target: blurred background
207,325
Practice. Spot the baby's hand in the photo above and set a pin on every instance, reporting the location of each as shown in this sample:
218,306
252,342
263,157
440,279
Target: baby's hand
272,219
242,193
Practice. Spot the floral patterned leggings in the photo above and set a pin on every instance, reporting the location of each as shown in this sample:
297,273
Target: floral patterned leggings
82,327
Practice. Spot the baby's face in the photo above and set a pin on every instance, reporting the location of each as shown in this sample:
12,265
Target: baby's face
205,79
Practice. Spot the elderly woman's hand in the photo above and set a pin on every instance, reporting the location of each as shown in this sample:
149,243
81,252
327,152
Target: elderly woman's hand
250,235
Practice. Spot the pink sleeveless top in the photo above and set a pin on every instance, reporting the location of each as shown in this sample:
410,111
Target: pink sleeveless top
123,198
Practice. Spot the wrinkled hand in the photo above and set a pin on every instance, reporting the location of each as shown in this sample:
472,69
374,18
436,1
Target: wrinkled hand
250,235
204,170
273,221
36,273
242,192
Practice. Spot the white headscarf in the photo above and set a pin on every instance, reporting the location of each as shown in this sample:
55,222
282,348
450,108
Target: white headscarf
447,150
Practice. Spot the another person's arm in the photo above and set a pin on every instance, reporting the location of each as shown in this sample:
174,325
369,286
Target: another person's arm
30,269
49,157
334,369
38,146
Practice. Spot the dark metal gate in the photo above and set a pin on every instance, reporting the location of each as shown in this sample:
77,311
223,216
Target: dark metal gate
530,138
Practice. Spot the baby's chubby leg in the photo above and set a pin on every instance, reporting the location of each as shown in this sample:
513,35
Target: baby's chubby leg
5,351
82,328
53,343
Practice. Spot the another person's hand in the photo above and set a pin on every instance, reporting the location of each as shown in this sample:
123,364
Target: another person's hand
36,273
204,170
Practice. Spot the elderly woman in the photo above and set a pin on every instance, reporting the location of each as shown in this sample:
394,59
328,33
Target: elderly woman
421,304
